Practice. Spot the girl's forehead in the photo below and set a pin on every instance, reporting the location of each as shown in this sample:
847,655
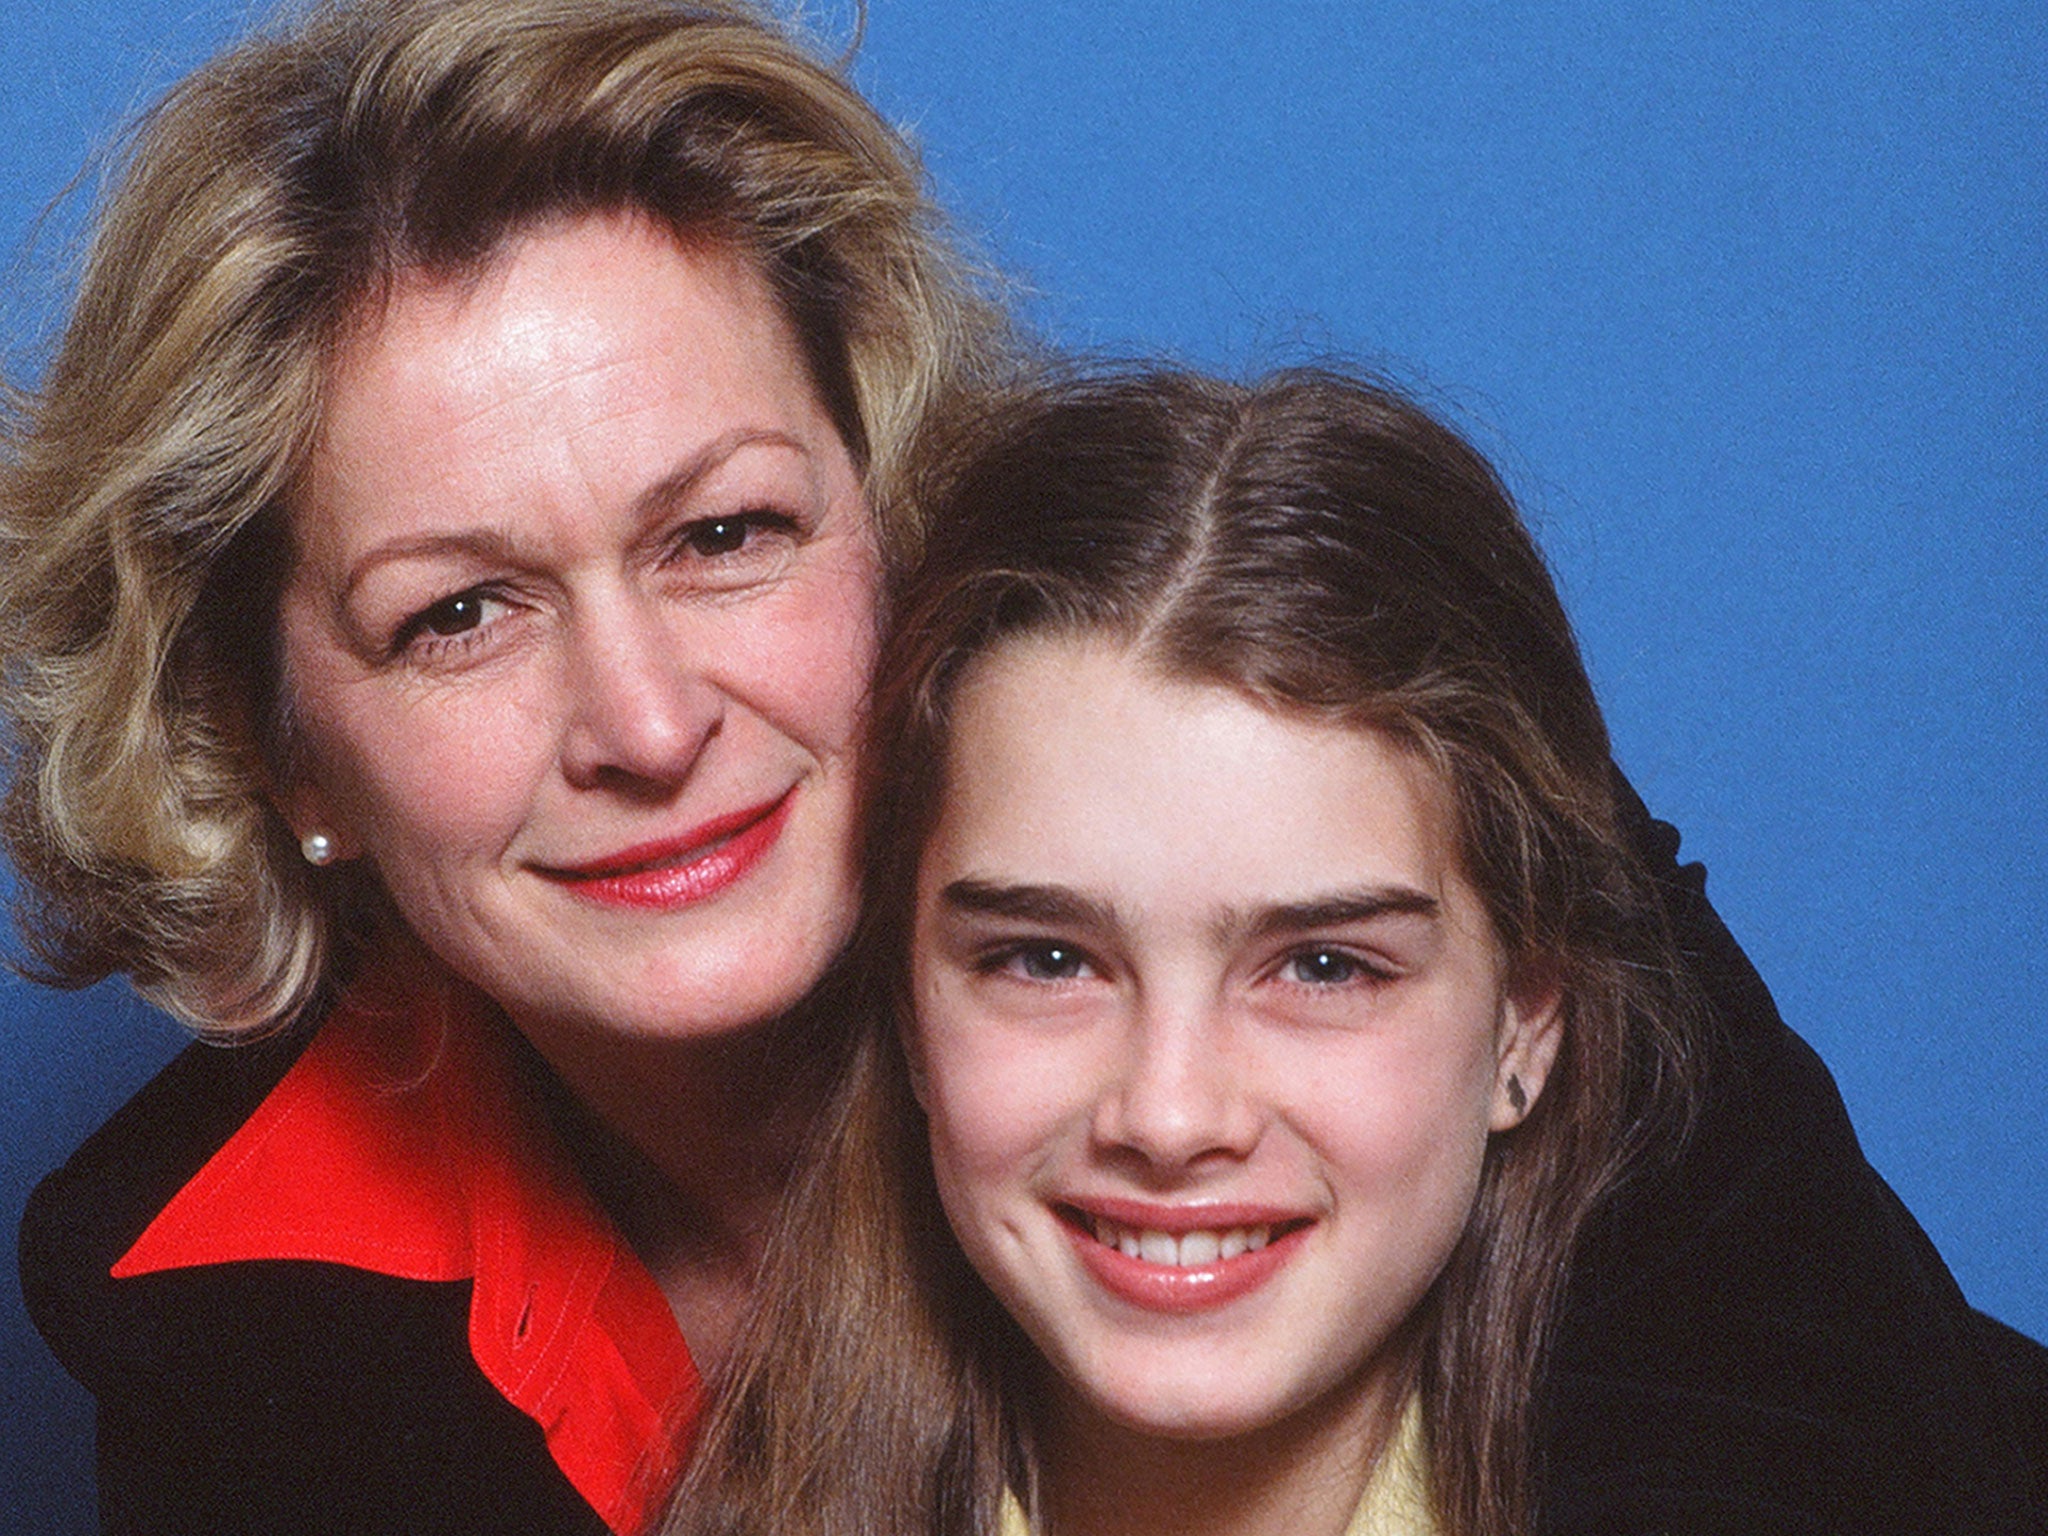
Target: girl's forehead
1076,760
1111,696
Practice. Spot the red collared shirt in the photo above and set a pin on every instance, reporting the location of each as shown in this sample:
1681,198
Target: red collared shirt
402,1142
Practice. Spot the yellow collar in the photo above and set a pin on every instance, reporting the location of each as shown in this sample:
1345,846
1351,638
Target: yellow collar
1396,1500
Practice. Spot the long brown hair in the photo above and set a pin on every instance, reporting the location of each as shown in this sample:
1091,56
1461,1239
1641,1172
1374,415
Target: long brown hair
265,205
1327,547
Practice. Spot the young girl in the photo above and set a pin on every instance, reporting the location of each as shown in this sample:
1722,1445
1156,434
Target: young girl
1280,995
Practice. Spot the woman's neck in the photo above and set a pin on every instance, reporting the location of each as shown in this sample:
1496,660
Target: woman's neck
687,1145
1303,1477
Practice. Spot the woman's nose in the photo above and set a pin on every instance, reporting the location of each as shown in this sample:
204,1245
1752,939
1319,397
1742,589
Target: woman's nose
1178,1094
640,709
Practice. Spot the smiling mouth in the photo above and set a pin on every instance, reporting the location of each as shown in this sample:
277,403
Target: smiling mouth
680,871
1189,1270
1179,1250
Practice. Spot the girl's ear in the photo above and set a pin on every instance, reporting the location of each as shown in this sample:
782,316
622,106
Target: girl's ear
913,1053
1531,1026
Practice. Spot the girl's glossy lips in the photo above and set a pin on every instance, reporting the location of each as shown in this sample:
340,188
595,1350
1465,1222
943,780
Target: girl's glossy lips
678,872
1164,1262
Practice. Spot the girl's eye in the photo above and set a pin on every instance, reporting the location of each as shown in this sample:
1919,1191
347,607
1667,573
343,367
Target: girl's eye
1324,967
1043,962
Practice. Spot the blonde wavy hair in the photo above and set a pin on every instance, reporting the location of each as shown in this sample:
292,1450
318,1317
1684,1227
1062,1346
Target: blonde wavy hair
265,203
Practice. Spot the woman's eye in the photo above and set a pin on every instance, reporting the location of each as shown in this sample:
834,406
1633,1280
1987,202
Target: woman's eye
711,538
456,615
732,554
452,618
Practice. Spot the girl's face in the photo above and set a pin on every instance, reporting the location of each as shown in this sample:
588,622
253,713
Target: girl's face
1212,1031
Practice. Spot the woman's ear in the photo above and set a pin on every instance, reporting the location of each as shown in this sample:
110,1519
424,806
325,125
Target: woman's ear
1531,1027
323,837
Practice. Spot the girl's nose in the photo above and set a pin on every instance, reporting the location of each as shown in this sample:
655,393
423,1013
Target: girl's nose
1178,1095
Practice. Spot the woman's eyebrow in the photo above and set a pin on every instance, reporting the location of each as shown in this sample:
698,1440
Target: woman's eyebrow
479,543
680,482
1338,908
495,541
1048,904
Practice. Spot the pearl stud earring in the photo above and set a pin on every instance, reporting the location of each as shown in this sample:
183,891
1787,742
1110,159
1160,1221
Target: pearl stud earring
318,848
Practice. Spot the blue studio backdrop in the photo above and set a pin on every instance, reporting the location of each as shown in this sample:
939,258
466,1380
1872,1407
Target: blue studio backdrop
1751,302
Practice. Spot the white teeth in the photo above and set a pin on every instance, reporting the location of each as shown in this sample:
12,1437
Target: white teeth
1158,1248
1185,1251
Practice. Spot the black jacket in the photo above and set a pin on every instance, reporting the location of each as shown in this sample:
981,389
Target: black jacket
271,1397
1761,1341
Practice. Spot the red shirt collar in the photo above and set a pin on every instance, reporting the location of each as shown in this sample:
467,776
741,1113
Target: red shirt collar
403,1142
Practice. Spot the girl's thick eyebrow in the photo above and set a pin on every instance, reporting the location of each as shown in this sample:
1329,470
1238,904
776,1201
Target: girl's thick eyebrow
1342,907
1048,904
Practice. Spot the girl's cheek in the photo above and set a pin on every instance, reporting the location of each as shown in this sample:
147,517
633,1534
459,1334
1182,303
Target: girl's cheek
992,1113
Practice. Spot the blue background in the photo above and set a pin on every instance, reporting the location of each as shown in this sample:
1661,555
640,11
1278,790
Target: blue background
1748,300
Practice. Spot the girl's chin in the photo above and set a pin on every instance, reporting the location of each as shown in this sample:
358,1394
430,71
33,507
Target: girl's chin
1178,1409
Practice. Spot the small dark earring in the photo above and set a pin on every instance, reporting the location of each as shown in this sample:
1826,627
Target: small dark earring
1516,1096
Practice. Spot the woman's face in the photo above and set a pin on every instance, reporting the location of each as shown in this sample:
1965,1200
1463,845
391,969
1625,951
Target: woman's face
1211,1030
578,632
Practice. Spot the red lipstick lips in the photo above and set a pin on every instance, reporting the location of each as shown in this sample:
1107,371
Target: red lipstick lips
680,871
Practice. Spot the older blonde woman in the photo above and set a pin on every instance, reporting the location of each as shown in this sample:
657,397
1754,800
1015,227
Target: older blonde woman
442,562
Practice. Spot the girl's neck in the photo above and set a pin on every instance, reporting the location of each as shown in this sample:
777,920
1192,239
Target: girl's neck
1302,1477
